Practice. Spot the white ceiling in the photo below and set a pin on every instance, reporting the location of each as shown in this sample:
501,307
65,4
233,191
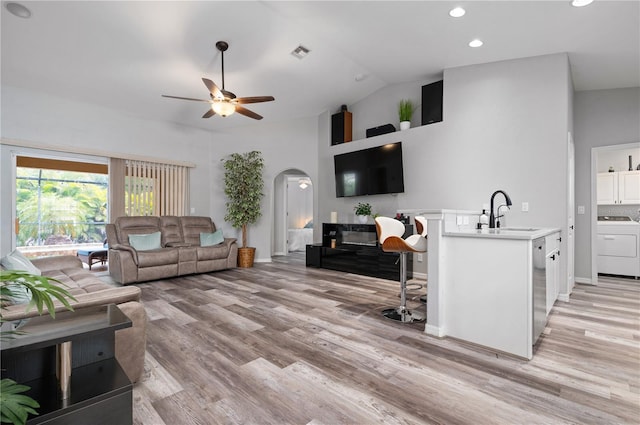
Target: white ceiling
125,54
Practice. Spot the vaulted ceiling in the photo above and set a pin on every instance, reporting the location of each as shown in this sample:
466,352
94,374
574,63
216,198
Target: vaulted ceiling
125,54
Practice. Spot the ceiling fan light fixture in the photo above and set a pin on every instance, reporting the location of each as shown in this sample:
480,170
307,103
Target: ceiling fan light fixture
222,108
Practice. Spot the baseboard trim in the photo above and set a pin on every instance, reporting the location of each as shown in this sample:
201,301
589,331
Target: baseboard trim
585,280
564,297
262,260
434,330
280,253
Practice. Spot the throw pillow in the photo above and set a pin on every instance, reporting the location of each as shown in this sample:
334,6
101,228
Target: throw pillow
209,239
16,261
309,225
145,242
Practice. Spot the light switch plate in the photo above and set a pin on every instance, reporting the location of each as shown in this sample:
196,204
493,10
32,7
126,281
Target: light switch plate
525,207
193,210
580,209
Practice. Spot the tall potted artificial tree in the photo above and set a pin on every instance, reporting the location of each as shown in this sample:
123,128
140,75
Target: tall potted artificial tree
243,186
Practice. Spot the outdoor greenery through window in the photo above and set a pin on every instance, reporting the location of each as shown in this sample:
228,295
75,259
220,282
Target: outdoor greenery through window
58,207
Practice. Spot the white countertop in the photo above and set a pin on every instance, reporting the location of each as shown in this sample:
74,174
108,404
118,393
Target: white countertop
504,233
619,223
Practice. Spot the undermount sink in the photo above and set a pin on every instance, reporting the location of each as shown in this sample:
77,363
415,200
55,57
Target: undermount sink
518,229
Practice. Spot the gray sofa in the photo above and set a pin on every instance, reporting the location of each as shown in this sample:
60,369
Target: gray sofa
180,252
89,291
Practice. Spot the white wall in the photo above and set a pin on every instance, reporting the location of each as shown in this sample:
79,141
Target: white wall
602,118
285,146
505,127
33,116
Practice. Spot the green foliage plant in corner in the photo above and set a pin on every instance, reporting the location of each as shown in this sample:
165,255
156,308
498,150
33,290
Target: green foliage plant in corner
15,407
243,186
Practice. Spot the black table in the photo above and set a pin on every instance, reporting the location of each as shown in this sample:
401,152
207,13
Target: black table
100,391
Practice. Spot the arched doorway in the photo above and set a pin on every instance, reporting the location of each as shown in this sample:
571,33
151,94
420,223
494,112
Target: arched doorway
293,212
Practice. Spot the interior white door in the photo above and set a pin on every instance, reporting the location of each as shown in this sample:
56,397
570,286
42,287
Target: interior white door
570,213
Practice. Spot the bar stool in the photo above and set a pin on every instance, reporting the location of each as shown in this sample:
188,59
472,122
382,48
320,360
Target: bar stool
390,233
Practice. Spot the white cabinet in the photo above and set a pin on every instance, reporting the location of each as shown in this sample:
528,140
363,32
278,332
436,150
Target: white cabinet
629,187
552,243
622,187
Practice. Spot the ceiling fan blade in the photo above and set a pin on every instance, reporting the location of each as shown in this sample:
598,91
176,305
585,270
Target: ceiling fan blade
247,113
254,99
215,91
209,113
186,98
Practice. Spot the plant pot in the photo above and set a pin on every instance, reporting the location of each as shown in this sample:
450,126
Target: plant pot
405,125
246,256
362,219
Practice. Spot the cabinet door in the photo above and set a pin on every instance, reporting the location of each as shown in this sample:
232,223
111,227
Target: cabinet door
552,243
607,189
629,187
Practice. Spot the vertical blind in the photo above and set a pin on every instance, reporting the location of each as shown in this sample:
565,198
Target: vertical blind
150,188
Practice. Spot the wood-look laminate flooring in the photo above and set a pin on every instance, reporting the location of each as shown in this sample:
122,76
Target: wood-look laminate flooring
284,344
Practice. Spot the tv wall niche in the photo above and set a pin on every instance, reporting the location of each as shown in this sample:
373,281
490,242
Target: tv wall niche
372,171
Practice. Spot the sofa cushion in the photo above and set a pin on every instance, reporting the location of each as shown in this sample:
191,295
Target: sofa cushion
136,225
16,261
171,231
213,252
210,239
158,257
145,242
193,226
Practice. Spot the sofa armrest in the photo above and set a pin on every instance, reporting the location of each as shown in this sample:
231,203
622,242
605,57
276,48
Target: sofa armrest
132,250
229,241
106,296
56,263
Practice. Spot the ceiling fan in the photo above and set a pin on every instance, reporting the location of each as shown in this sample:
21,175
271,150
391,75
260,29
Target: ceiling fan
223,102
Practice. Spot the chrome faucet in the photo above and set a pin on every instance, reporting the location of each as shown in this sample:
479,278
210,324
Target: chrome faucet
492,216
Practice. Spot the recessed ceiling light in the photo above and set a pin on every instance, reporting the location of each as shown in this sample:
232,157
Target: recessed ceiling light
580,3
300,52
18,10
457,12
475,43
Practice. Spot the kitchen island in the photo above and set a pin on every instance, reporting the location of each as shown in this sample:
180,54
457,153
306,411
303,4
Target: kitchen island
497,286
490,287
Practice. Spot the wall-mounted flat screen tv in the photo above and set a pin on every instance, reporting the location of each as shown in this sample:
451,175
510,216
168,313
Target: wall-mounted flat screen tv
370,171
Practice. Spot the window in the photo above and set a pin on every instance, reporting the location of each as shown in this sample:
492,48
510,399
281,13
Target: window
59,203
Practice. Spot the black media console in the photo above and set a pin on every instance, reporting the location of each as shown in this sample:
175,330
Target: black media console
354,248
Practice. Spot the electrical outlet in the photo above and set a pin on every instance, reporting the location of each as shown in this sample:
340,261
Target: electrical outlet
525,207
580,209
193,210
419,258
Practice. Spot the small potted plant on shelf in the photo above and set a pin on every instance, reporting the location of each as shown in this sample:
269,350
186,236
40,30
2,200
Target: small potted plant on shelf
405,111
243,186
363,211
